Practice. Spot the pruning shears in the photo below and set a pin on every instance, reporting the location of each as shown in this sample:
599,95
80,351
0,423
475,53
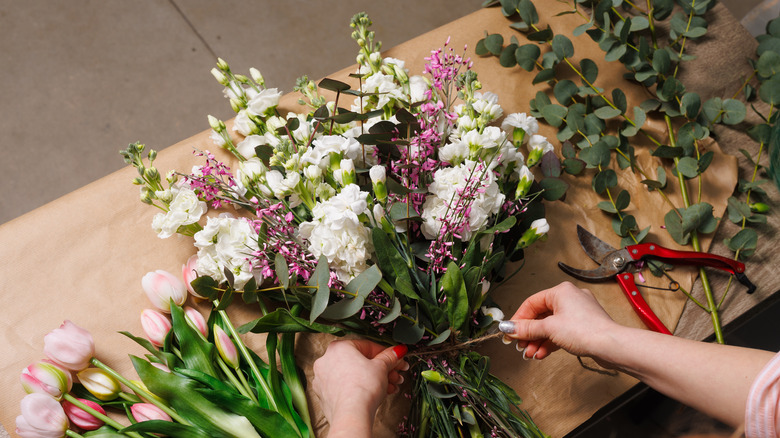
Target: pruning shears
621,264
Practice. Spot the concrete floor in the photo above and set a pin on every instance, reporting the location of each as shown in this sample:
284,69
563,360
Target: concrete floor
80,79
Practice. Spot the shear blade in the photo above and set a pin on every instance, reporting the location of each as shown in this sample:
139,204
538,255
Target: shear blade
595,248
601,273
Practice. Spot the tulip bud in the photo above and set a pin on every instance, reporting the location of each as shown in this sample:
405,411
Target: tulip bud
162,287
145,396
538,228
147,412
70,346
196,320
82,418
42,416
225,346
99,383
189,273
156,325
434,376
46,377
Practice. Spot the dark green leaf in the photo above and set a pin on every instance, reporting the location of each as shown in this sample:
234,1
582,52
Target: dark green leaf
564,91
623,200
668,152
573,166
282,321
527,12
394,312
494,43
603,180
704,161
674,227
443,336
690,104
554,188
769,91
688,167
562,47
392,264
733,111
639,23
554,114
712,109
619,99
333,85
768,64
589,70
481,49
544,76
408,332
196,352
745,239
607,112
457,296
527,55
607,206
541,36
359,288
206,287
616,52
738,210
320,280
507,57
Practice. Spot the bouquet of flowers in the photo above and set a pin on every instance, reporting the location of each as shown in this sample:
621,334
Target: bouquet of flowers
392,219
198,380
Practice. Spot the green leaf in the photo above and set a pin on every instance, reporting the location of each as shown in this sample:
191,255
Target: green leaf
551,165
408,332
596,155
443,336
674,227
616,52
282,271
704,161
738,210
619,99
733,112
167,428
698,217
494,43
630,130
282,321
527,55
554,114
690,104
481,49
392,264
554,188
320,280
712,109
769,91
562,47
607,206
359,287
603,180
206,287
745,239
688,167
333,85
623,200
668,152
564,92
196,352
401,211
589,70
527,12
541,36
579,30
639,23
507,57
457,296
544,76
768,64
394,312
607,112
573,166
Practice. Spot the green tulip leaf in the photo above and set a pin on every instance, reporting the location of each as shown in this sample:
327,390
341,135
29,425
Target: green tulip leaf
282,321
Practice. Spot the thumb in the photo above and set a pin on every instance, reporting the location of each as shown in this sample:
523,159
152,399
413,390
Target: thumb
525,329
390,356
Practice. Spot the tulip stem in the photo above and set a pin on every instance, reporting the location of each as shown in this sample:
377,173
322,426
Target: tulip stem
245,353
229,373
73,434
140,391
100,416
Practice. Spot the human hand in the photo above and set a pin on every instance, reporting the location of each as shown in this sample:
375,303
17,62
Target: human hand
353,377
564,316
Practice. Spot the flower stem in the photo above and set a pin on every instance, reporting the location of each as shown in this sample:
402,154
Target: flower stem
151,398
102,417
73,434
229,373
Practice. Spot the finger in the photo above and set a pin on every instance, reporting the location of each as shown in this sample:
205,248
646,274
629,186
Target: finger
395,378
367,348
391,389
402,366
534,306
524,329
544,350
391,356
531,349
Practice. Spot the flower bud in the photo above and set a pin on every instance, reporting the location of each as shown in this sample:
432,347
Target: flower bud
526,178
138,181
99,383
145,396
493,312
538,228
348,175
196,320
434,376
222,65
189,273
215,124
162,287
241,78
225,346
146,195
147,412
257,77
82,418
46,377
69,346
235,105
156,326
42,416
152,174
219,76
759,207
378,178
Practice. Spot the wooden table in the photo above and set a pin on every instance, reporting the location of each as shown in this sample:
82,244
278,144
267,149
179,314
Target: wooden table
82,256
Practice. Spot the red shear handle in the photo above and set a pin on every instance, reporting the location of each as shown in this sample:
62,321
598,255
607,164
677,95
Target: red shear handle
653,250
639,304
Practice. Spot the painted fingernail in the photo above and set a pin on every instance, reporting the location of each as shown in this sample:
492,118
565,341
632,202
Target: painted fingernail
404,366
535,358
507,326
400,350
400,380
506,340
520,349
524,356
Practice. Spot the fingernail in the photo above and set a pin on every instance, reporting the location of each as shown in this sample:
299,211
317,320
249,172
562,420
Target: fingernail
506,340
507,326
404,366
400,350
520,349
524,356
534,358
400,380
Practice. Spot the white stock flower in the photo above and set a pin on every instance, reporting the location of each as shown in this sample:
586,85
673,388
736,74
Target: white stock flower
417,88
454,153
486,104
540,226
282,185
250,170
226,243
524,174
523,121
264,101
336,232
185,209
385,86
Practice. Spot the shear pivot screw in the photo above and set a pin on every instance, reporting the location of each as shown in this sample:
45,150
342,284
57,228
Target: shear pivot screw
618,262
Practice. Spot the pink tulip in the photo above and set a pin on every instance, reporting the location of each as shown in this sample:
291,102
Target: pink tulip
42,417
147,411
46,377
156,325
196,320
189,273
82,418
225,346
70,346
161,287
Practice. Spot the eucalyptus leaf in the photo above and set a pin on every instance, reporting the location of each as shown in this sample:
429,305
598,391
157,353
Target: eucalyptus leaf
393,314
607,112
527,12
282,321
319,280
527,56
604,180
494,43
733,111
690,104
564,92
554,188
769,91
408,332
745,239
623,200
688,167
507,57
589,70
359,288
562,47
619,100
554,114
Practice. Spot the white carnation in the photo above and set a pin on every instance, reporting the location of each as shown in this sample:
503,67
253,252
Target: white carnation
523,121
264,101
539,142
185,209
